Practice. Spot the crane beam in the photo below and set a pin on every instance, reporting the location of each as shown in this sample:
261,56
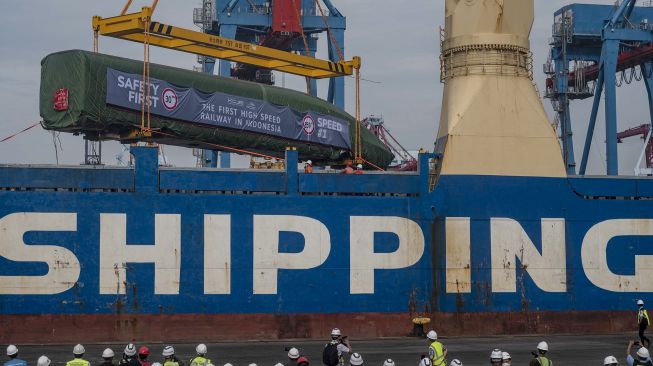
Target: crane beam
133,27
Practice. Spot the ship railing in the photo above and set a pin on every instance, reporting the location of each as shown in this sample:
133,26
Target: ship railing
148,177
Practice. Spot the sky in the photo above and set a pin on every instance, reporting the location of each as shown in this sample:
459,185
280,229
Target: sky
399,45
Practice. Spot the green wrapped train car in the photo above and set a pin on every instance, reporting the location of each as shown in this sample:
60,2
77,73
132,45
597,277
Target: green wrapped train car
101,97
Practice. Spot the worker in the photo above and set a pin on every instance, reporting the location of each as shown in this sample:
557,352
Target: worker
643,321
388,362
200,359
356,359
437,351
143,354
507,360
293,357
359,169
302,361
78,353
642,354
610,361
12,353
348,169
107,357
169,358
496,357
43,361
334,351
539,358
456,362
308,168
129,357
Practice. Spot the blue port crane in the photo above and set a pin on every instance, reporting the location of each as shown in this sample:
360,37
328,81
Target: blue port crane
594,49
288,25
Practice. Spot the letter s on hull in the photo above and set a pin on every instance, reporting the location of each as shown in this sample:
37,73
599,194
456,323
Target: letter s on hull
595,257
63,265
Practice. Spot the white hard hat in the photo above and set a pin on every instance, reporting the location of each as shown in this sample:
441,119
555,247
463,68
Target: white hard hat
643,353
356,359
309,162
359,166
130,350
43,361
610,360
11,350
335,332
389,362
252,364
293,353
496,355
505,356
201,349
456,362
432,335
78,350
279,364
226,364
156,364
425,362
107,353
543,346
640,302
168,351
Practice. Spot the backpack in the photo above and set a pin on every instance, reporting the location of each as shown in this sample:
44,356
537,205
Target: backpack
330,354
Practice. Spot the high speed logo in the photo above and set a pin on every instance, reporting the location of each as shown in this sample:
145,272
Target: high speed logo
170,99
308,125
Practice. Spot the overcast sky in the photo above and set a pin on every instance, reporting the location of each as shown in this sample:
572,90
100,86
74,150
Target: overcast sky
398,41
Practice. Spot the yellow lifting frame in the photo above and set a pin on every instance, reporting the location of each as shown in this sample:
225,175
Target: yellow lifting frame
132,27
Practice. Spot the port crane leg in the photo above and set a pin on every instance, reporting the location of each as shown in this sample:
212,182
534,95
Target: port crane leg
227,31
590,128
312,44
609,55
647,72
337,84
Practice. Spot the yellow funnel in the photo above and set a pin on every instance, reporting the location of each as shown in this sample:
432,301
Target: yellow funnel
492,120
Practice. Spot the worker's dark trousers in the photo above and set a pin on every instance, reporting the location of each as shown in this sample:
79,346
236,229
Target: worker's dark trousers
642,338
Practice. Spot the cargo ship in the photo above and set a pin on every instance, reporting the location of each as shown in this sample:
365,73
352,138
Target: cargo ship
490,235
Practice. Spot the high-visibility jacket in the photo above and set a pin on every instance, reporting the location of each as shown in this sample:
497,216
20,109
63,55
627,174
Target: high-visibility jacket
78,362
199,361
544,361
642,314
174,361
436,352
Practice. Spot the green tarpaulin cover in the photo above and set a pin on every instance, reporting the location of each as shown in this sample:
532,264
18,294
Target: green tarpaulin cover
84,74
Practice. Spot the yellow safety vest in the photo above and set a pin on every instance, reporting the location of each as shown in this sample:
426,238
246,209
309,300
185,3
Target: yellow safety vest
199,361
438,354
643,314
544,361
170,363
78,362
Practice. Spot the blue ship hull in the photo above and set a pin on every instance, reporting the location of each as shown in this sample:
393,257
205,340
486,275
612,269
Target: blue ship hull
138,252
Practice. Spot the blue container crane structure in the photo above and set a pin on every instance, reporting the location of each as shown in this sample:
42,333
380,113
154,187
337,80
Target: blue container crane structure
607,45
289,25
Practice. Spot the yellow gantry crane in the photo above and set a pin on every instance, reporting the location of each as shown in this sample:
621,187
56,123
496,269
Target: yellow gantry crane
139,27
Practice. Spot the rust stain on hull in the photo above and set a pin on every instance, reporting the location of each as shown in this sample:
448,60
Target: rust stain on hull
61,328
